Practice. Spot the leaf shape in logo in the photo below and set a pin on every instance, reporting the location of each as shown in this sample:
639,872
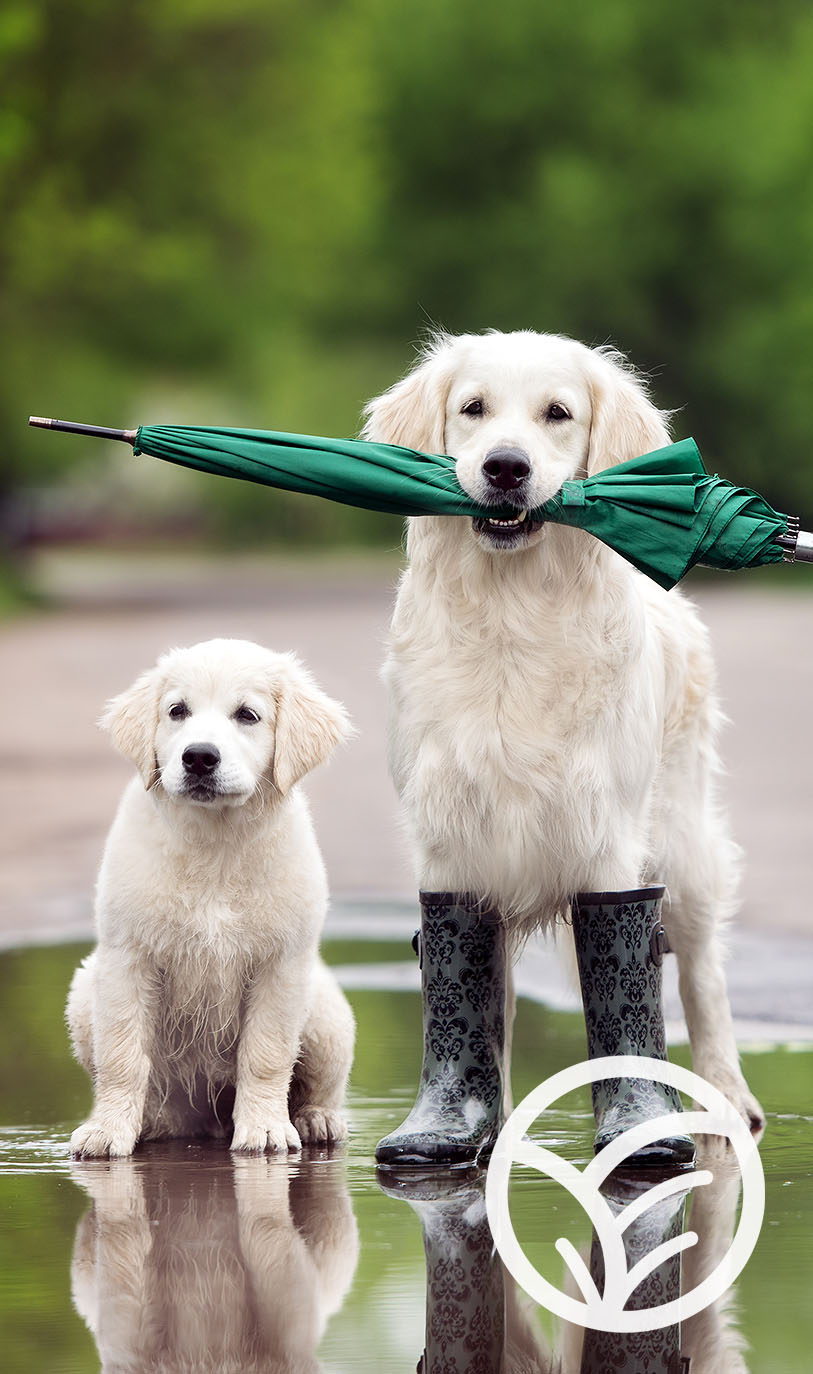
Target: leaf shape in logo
606,1311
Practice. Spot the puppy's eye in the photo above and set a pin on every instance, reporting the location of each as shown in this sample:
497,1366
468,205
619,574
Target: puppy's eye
555,411
473,408
179,710
246,716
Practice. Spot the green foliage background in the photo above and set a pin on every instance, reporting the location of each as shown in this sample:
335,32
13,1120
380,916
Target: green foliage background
249,213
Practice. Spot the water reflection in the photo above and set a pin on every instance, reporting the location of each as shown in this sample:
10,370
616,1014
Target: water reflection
650,1352
189,1260
478,1320
712,1337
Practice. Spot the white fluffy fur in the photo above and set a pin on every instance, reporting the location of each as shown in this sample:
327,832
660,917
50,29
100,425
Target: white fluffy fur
205,997
553,711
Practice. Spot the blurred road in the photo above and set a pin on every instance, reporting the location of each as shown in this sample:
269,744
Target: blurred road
61,779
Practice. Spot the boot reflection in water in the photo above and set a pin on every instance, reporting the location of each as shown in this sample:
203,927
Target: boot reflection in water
477,1321
639,1352
480,1321
707,1343
231,1264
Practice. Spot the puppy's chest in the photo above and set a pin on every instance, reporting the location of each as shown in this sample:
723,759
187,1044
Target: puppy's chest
204,913
207,988
202,1003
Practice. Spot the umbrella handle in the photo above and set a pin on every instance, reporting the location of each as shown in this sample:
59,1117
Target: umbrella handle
797,543
99,431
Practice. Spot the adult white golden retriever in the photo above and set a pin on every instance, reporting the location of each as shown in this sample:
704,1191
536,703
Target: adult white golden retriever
205,1003
553,711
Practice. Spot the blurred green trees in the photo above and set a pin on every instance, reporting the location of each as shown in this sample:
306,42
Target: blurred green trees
249,213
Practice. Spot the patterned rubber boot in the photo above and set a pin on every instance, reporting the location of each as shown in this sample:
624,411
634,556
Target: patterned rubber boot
620,944
458,1114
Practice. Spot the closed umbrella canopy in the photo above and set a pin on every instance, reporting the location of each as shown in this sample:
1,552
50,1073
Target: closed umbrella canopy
381,477
663,512
666,514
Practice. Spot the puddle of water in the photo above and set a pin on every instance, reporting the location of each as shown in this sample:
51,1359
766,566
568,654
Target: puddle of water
238,1265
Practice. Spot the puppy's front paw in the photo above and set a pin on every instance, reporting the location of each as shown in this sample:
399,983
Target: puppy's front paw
96,1139
254,1138
320,1125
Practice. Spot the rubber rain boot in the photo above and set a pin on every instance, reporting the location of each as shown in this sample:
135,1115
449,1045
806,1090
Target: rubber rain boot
458,1113
620,943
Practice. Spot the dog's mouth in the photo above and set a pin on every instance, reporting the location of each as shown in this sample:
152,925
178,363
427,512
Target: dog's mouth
201,790
506,533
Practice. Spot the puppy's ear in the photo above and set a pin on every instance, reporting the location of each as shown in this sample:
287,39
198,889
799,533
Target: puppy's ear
308,727
625,423
131,719
413,412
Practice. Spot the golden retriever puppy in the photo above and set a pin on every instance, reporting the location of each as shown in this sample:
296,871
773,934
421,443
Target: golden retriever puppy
205,1006
553,711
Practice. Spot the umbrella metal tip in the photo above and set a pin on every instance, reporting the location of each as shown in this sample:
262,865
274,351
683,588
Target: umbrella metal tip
40,421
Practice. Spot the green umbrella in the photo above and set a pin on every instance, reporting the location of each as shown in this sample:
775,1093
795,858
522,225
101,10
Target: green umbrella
663,512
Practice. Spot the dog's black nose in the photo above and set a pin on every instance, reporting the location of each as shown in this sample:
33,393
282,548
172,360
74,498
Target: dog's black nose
200,759
506,468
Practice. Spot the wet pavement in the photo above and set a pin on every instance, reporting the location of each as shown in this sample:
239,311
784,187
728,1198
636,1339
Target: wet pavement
182,1259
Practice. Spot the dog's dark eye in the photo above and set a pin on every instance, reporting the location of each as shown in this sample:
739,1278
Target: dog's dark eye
246,716
474,407
555,411
179,710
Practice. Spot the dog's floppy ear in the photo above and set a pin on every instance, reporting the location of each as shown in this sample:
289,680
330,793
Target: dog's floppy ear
307,729
625,423
413,411
131,719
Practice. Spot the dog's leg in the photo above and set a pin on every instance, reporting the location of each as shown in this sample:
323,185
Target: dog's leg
79,1012
122,997
325,1056
704,994
700,862
276,1006
700,866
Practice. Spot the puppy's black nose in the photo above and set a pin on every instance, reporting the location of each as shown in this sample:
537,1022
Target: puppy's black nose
200,759
506,468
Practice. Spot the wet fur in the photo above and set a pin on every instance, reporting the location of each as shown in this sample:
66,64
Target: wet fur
205,1008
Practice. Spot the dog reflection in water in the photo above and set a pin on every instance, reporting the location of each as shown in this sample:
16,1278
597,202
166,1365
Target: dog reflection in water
479,1321
231,1265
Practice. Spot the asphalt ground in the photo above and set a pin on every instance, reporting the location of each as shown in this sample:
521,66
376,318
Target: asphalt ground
109,616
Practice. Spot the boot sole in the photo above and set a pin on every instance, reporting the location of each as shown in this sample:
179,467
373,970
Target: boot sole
678,1153
445,1156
